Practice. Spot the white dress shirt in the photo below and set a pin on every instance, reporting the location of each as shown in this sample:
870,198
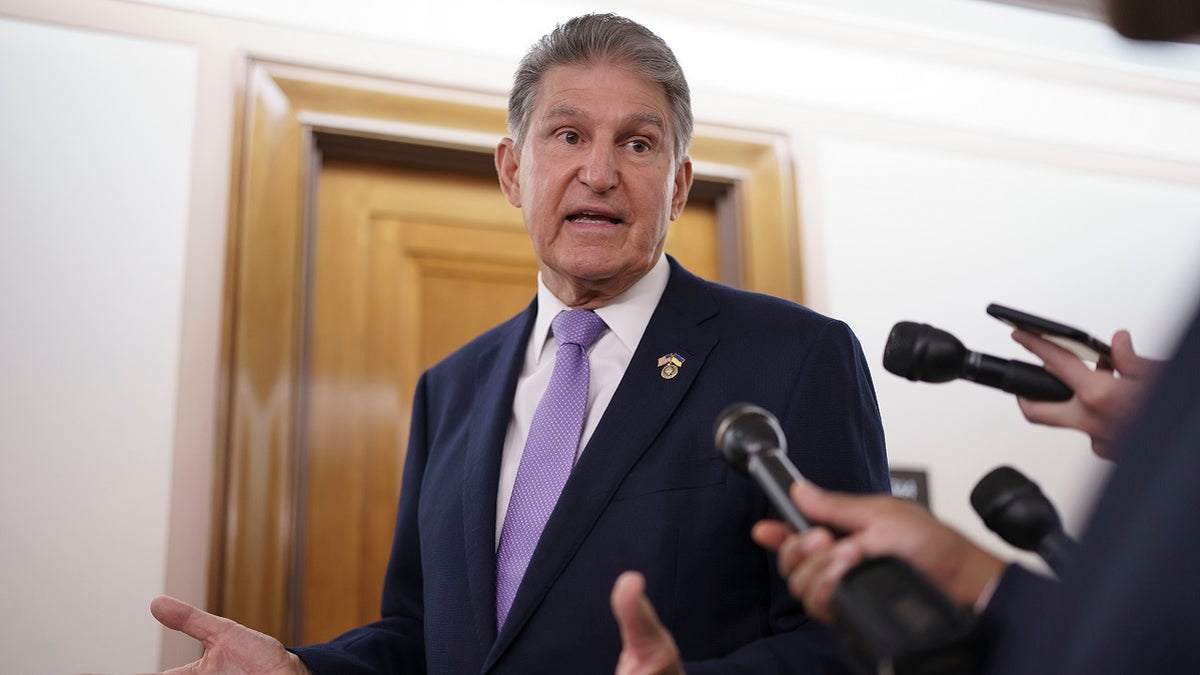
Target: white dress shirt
627,316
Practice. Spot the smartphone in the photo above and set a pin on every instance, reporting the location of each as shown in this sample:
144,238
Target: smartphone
1072,339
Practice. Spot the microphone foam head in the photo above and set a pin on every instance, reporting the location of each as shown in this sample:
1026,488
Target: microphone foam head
1014,507
920,352
996,488
743,429
898,353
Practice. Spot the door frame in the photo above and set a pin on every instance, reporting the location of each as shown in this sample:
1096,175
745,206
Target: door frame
285,109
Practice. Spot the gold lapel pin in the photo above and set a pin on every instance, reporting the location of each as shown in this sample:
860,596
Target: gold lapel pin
670,364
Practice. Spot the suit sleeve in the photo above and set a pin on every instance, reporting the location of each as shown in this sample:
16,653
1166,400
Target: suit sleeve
1011,622
835,438
834,431
395,643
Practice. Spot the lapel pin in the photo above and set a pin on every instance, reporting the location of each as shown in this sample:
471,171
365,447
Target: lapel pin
670,364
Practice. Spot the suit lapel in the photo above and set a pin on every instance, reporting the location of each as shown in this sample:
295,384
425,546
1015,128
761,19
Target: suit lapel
490,413
641,406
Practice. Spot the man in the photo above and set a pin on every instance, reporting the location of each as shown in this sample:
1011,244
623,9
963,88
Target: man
600,124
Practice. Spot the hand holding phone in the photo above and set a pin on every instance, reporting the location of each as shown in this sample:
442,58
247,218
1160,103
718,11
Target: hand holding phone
1072,339
1115,388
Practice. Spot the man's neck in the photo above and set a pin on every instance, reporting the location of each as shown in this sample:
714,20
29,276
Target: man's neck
582,294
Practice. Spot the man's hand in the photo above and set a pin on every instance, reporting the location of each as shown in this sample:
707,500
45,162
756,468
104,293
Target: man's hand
229,648
813,562
647,646
1104,401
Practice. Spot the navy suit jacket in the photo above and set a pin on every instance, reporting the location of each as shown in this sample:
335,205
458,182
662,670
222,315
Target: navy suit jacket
648,493
1127,602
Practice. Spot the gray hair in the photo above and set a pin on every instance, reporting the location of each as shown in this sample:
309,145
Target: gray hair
594,38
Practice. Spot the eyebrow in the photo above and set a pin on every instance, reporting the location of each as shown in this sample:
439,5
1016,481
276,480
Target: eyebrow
650,118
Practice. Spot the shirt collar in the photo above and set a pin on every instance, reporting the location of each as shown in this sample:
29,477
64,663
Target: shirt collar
627,315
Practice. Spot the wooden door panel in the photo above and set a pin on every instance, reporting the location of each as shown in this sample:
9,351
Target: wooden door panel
407,266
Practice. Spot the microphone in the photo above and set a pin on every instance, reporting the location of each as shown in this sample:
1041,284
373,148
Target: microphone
893,619
920,352
751,440
1014,507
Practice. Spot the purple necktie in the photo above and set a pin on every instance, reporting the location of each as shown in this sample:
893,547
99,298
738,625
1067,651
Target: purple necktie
549,452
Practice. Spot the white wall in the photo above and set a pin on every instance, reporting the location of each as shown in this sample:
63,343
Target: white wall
96,136
949,153
936,236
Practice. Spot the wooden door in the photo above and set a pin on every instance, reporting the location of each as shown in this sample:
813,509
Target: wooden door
406,266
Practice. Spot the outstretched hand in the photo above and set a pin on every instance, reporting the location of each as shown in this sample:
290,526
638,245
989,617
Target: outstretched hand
813,562
229,647
647,646
1105,400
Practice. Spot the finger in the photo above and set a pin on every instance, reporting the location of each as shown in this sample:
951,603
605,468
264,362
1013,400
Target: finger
1126,360
770,534
822,589
178,615
802,576
641,631
799,547
847,513
1060,362
1063,414
814,581
1104,449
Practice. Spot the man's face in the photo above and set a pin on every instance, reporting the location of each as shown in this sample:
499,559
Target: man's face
596,179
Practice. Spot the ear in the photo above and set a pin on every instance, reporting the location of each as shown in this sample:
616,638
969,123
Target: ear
683,185
507,165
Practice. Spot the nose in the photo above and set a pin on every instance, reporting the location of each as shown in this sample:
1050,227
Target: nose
599,171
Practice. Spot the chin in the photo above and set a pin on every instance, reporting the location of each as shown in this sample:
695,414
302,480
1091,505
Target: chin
593,264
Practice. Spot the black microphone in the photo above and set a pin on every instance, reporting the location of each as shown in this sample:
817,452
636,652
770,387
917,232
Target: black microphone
920,352
751,440
894,620
1015,508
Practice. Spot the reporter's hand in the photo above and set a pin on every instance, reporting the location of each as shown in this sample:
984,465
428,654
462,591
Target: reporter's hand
813,562
229,647
1104,401
647,648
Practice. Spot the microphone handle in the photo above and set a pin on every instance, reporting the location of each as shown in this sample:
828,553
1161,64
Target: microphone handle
895,620
1015,377
1056,549
775,473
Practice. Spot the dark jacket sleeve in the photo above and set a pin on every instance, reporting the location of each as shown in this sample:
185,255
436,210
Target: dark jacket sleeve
1007,620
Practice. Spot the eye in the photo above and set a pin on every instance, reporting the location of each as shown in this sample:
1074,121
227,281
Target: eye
639,146
570,137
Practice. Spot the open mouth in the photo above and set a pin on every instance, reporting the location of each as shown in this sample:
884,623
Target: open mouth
593,217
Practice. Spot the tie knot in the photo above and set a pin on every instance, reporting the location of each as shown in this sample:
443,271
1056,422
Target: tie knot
578,327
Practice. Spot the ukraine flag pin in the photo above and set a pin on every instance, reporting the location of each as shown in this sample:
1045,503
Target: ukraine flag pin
670,364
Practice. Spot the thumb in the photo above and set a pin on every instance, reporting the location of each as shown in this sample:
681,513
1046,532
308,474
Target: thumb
646,646
845,513
635,616
179,615
1126,360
